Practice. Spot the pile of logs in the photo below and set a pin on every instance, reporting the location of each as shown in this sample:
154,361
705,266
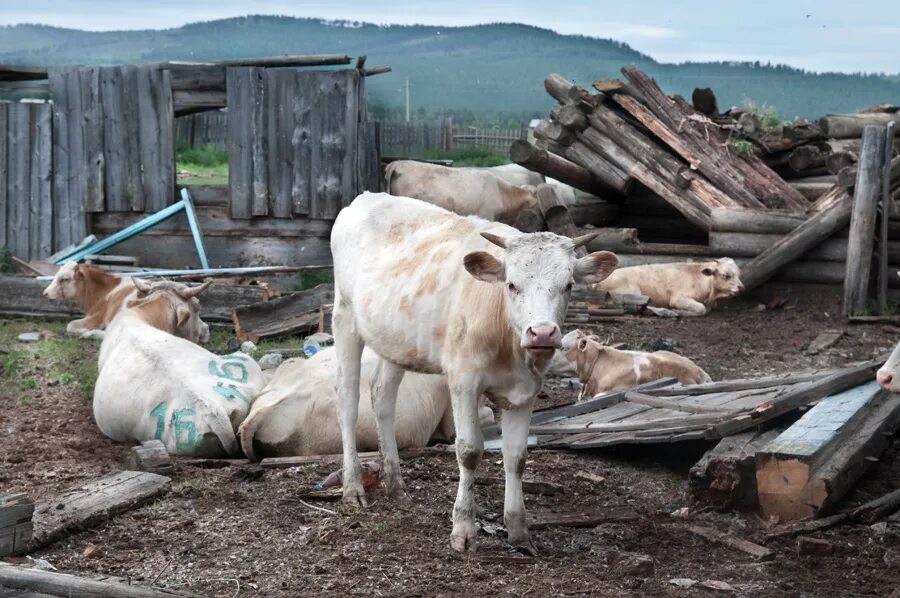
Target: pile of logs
700,184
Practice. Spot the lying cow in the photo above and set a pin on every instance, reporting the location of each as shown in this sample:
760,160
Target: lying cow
513,174
153,384
464,191
432,292
96,292
690,288
603,369
101,295
297,411
887,374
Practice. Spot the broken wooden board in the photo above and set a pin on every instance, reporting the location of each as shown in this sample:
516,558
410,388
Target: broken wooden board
760,553
150,455
297,313
91,503
825,340
53,583
809,467
16,511
644,416
725,477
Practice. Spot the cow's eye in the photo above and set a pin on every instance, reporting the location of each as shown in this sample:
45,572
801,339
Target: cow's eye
569,288
727,277
512,288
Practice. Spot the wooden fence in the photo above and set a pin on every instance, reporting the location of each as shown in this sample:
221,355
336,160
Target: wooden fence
202,129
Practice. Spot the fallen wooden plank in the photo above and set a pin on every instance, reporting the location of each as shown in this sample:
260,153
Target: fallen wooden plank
63,584
735,385
91,503
809,467
702,421
825,340
760,553
868,513
593,518
16,511
645,399
725,477
297,313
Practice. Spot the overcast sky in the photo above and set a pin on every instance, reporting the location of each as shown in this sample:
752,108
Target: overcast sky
813,34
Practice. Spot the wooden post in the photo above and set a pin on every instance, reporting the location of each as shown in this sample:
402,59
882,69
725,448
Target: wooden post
16,511
150,456
885,214
862,221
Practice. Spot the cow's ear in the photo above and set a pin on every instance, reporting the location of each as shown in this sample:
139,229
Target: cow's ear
181,315
708,271
485,267
582,343
79,272
595,267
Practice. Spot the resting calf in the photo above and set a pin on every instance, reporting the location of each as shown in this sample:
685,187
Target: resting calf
691,288
433,292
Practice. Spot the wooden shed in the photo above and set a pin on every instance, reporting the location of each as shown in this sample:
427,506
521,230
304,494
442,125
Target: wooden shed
99,156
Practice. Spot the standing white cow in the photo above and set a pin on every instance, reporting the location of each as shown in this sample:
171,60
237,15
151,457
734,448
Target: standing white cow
430,291
152,384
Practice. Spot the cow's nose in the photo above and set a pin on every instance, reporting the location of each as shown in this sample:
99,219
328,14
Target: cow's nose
543,336
884,378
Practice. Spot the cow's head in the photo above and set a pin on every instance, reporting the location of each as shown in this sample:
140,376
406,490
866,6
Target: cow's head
67,284
172,307
887,374
725,276
584,352
538,271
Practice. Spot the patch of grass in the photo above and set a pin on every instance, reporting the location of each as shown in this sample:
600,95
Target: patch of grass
194,484
6,263
205,165
381,528
29,383
25,402
11,364
156,508
67,361
768,116
468,156
740,146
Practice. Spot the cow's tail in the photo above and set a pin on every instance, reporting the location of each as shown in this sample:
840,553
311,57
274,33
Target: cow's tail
248,429
389,172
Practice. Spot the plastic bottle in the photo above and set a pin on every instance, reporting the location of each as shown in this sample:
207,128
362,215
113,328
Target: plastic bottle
311,347
371,477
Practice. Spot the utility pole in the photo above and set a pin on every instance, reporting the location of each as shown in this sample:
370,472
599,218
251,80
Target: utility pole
407,98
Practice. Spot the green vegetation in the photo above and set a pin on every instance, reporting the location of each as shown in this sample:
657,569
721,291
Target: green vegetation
204,165
6,263
467,156
740,145
60,359
489,73
308,279
768,116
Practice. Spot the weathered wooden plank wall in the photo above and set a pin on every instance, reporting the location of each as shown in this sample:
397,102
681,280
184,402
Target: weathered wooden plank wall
114,145
202,129
299,142
25,189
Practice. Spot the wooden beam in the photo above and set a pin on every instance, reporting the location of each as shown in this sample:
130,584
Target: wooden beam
150,455
807,235
297,313
808,469
16,512
549,164
848,126
91,503
36,583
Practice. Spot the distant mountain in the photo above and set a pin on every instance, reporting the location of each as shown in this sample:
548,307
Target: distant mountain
485,72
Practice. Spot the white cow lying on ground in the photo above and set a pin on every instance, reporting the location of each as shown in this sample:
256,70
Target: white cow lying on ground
297,412
100,295
464,191
152,384
513,174
603,369
690,288
887,375
480,302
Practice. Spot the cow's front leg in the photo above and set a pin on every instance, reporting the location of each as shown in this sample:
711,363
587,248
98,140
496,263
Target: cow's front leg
469,446
688,306
385,384
514,423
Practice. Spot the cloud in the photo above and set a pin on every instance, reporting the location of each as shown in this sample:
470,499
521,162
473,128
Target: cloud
631,31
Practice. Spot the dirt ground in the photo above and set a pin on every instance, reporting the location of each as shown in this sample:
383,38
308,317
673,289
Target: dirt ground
242,530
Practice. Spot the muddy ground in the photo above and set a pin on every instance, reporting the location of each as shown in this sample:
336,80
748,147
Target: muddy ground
241,530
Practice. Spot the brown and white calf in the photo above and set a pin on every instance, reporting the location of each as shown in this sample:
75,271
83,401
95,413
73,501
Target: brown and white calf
430,291
690,288
603,369
99,294
464,191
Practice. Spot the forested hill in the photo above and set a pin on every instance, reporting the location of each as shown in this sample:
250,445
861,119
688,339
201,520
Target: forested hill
485,72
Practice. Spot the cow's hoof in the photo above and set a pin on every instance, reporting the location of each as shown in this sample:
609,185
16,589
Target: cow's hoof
355,497
463,537
525,546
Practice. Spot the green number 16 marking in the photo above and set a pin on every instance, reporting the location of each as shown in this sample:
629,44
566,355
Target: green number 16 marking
159,412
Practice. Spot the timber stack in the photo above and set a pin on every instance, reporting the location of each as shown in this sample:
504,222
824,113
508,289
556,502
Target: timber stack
698,184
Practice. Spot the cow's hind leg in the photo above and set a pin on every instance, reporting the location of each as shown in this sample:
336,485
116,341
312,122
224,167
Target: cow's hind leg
469,447
688,306
349,346
385,384
514,424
